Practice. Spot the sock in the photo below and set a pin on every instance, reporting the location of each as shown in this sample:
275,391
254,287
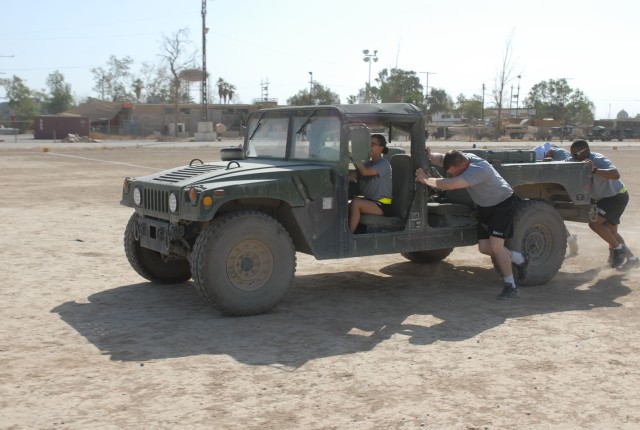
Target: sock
516,257
634,258
510,280
618,247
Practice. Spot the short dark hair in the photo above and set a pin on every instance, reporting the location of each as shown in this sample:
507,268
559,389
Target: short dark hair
453,158
579,145
381,141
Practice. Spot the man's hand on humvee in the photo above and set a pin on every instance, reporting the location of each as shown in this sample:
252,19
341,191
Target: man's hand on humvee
421,175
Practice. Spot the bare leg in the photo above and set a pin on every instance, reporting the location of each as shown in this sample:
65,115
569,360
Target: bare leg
360,206
614,230
494,247
601,228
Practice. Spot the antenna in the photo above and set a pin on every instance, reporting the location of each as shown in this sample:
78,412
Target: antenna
264,89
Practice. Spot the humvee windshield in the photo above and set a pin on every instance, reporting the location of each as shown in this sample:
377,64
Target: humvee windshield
316,137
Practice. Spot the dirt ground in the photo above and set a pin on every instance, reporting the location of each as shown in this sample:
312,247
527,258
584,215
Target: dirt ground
366,343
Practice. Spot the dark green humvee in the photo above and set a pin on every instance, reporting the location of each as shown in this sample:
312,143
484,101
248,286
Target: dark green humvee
235,226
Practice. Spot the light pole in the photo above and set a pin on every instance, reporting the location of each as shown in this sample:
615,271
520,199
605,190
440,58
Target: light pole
517,96
311,85
483,104
511,102
367,59
426,88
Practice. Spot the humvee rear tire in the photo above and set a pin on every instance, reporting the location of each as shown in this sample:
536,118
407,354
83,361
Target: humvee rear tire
243,263
427,257
149,263
540,231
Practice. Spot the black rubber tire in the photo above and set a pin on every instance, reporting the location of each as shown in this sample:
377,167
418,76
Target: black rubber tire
243,263
150,264
427,257
540,231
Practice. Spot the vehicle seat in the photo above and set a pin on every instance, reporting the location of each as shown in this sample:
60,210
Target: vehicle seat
455,209
403,186
393,150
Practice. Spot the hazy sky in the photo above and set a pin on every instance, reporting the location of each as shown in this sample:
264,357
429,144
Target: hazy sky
461,43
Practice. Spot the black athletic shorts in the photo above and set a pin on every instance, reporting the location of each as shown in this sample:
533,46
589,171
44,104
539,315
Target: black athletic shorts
386,209
611,208
497,220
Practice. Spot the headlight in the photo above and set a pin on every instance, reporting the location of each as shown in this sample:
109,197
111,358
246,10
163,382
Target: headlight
173,202
137,196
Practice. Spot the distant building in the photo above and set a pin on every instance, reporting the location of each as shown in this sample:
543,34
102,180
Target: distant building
143,119
59,126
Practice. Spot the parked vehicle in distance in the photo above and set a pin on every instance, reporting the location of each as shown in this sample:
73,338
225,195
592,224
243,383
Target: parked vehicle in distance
604,134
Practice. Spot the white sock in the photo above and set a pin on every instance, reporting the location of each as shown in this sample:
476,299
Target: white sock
510,280
516,257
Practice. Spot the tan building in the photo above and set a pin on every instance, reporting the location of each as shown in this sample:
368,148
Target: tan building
144,119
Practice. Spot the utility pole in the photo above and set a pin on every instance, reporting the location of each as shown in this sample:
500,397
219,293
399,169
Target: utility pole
483,104
518,97
311,85
510,102
426,88
205,113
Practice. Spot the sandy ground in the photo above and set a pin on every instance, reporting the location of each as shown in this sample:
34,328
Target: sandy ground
366,343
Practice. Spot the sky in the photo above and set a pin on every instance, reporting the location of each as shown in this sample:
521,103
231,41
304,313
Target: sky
268,48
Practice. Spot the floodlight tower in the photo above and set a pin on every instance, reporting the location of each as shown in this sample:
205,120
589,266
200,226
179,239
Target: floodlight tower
367,59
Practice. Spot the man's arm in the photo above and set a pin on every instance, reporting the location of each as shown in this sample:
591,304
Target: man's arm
435,158
608,172
441,183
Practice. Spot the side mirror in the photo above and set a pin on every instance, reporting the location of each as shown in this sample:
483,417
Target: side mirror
231,153
360,142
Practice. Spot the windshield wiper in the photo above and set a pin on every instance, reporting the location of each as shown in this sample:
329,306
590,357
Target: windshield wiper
255,130
306,123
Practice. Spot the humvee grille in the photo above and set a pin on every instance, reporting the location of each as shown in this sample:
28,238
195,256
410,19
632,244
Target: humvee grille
155,200
186,173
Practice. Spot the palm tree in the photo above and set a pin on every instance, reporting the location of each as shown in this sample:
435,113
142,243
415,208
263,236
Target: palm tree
230,91
225,90
221,88
137,88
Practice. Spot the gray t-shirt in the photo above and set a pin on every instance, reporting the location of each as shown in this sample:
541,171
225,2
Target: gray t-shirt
487,188
559,154
602,188
379,186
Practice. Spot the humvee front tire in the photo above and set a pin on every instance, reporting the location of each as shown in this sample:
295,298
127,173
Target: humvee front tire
539,230
243,263
427,257
149,263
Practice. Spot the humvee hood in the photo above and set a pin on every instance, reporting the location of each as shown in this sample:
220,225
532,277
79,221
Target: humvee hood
199,174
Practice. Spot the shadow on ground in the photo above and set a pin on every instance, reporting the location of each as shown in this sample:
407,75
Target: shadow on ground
323,315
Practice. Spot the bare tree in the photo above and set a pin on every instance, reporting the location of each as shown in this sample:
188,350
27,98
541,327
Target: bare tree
114,81
503,77
155,83
178,60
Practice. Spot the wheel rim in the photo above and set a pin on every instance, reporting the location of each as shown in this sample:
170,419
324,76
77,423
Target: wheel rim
537,243
249,265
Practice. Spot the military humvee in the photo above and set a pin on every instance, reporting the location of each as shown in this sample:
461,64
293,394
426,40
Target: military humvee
235,226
